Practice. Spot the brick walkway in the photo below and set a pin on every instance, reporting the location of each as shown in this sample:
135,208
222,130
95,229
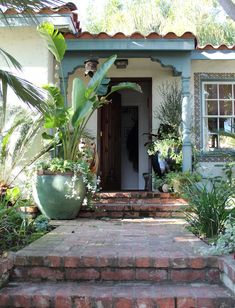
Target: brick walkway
143,263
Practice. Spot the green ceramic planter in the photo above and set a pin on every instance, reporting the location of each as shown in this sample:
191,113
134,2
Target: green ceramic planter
49,194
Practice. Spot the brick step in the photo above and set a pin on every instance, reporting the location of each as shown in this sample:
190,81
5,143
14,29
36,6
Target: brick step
117,295
133,194
134,205
108,268
134,210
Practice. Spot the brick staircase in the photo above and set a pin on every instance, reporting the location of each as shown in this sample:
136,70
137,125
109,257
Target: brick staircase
143,263
134,205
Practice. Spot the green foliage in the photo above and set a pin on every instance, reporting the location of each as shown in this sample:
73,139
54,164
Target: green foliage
168,149
210,205
170,110
225,243
16,229
17,139
61,165
55,40
68,123
204,18
177,180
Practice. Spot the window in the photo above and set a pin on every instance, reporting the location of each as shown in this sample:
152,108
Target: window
218,114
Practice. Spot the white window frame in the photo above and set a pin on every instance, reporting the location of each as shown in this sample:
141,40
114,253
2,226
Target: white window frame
205,133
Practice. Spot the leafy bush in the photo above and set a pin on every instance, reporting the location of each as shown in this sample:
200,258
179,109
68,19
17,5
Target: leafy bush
209,207
225,242
16,229
176,181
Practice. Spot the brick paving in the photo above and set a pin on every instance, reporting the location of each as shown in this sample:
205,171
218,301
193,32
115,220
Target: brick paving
116,263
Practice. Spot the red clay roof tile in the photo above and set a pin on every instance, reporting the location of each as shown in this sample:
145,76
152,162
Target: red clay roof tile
68,9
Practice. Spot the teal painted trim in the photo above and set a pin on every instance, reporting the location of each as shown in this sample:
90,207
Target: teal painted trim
213,55
180,62
73,61
130,44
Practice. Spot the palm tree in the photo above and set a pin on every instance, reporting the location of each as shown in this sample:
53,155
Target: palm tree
26,91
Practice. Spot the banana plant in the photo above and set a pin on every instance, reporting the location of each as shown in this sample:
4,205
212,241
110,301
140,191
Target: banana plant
68,123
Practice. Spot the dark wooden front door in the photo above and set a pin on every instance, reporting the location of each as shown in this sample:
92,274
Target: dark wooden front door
110,151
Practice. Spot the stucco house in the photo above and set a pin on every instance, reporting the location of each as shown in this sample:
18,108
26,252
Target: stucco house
207,76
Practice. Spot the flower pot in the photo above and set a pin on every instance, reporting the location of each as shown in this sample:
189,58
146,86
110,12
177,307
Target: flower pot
53,195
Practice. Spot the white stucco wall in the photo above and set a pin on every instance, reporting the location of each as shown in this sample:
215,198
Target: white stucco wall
27,47
30,51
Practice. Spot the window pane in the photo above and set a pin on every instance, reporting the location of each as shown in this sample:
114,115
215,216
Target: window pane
212,125
225,108
212,107
210,91
225,125
225,91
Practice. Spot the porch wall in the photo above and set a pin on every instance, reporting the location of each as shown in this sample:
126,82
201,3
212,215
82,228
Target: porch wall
211,168
26,46
30,51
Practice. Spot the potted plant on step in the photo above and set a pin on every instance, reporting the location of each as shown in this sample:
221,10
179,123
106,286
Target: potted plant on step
66,179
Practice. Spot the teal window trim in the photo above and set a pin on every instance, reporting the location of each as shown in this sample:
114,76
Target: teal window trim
200,78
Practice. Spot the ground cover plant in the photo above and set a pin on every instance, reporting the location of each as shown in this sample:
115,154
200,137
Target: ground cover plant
210,204
17,229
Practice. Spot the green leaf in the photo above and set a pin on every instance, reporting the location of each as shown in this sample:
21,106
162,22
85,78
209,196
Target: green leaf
78,93
6,138
55,93
47,136
101,73
56,119
103,88
81,113
55,40
10,60
4,102
25,90
125,86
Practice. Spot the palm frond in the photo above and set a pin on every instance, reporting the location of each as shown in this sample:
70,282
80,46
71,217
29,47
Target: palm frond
10,60
25,90
27,5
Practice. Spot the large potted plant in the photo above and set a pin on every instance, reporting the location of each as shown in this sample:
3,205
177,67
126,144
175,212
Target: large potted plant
65,179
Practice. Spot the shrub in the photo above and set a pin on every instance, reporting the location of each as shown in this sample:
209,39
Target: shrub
225,242
209,207
16,229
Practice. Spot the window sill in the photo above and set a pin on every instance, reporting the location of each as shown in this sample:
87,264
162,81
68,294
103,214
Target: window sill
216,155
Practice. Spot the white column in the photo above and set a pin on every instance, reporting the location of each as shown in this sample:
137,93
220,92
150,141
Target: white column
187,123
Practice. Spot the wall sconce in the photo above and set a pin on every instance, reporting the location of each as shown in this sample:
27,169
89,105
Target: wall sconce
121,63
91,67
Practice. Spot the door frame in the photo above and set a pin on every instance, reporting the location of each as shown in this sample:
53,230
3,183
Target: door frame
128,79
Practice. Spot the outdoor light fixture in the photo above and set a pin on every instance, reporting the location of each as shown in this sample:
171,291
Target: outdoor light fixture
121,63
91,67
